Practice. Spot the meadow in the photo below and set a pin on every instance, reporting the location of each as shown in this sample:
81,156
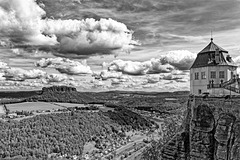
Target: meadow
2,112
32,106
67,105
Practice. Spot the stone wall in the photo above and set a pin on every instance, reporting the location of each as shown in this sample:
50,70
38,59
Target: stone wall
211,131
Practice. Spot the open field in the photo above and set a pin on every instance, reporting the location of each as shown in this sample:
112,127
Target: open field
32,106
67,105
2,112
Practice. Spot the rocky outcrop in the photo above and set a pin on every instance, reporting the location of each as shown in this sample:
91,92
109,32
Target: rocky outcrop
62,94
235,151
59,89
213,130
176,148
202,132
223,136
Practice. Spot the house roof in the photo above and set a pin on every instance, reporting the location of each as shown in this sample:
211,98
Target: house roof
206,57
212,47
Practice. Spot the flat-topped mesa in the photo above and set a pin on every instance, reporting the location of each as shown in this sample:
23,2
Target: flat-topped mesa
59,89
62,94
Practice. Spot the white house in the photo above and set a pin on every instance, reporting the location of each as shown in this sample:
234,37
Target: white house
214,72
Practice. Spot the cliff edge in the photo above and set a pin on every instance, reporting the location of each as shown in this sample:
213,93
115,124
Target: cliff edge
211,131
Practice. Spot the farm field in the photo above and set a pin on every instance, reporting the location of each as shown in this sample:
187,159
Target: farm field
2,112
32,106
69,104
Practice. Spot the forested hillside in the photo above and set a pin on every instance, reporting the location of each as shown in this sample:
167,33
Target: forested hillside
63,133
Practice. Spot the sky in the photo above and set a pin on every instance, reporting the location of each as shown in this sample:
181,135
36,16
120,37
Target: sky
101,45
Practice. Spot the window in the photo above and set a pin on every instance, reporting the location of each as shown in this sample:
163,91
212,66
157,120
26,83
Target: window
213,74
196,76
221,74
199,91
203,75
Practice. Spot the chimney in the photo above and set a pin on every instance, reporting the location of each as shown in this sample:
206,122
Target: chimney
217,56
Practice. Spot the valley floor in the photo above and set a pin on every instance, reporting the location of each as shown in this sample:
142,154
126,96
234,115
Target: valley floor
143,107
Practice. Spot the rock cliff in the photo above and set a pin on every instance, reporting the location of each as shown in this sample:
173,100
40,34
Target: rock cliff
62,94
59,89
211,131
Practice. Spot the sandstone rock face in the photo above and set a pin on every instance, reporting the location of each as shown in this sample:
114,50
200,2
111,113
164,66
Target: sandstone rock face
202,133
176,148
203,120
59,89
224,128
235,152
222,135
213,131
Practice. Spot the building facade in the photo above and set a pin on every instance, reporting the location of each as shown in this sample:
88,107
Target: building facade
213,72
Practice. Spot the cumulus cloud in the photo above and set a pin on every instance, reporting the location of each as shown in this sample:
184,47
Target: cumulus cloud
128,67
181,59
74,70
175,77
18,78
156,66
16,51
24,22
179,72
173,60
104,75
21,22
98,84
116,78
115,81
64,65
18,74
153,79
1,77
237,60
56,78
45,62
3,65
90,36
140,68
5,43
13,85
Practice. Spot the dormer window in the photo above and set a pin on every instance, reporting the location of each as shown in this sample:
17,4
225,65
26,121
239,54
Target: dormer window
229,58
